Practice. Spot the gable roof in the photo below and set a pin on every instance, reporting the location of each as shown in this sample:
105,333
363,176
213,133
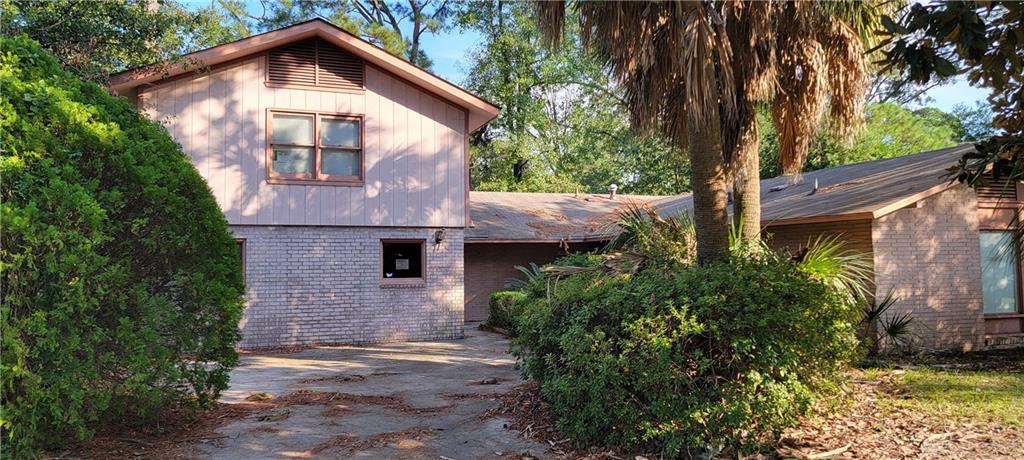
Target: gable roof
858,191
480,111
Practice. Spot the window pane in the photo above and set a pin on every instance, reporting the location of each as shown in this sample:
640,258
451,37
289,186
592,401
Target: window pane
998,273
339,162
339,132
293,129
292,160
403,260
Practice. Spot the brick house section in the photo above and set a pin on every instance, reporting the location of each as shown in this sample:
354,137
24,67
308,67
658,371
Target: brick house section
855,234
928,256
488,265
321,285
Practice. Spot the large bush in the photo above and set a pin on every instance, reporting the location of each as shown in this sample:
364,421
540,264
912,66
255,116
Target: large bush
122,288
672,355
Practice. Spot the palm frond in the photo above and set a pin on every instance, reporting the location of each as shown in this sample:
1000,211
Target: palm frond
532,273
615,263
898,329
827,261
874,311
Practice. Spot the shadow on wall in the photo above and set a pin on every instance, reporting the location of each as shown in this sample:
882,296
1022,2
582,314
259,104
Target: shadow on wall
414,167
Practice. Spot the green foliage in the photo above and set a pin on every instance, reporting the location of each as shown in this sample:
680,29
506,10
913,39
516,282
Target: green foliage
94,38
398,26
827,261
974,124
506,307
122,286
670,241
531,273
727,353
563,126
981,39
885,331
684,357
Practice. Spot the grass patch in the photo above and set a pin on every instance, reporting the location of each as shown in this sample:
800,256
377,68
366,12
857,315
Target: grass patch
980,396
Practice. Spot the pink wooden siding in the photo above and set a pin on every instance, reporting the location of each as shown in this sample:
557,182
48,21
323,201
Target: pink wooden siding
414,149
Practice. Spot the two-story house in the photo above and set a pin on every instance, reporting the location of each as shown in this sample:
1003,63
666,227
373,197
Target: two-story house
343,173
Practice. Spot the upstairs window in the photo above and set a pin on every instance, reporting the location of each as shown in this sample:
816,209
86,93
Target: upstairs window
317,64
312,146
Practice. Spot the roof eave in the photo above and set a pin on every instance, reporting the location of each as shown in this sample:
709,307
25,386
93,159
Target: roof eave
480,111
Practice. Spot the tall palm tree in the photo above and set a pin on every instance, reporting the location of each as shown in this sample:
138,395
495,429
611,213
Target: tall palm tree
804,59
696,70
668,56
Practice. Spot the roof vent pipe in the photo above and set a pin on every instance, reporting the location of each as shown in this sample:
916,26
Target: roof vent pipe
611,191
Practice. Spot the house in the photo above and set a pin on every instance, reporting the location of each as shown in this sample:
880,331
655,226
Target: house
935,244
343,173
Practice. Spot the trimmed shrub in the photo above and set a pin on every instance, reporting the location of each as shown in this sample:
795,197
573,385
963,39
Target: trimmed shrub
506,307
122,287
686,358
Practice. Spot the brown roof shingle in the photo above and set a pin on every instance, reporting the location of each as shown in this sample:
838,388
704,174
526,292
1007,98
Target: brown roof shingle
857,191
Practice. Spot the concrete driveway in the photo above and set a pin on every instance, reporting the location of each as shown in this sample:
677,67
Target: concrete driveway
405,400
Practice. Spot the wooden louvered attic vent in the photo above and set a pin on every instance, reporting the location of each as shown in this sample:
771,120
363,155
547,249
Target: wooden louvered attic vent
315,63
1002,189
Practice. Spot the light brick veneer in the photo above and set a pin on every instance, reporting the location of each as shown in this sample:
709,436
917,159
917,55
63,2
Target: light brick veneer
321,285
928,255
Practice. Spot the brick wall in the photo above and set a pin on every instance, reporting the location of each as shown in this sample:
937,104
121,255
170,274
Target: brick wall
928,255
856,234
489,264
321,285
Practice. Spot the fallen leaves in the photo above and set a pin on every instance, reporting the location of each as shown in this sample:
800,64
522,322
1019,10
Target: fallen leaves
867,429
871,428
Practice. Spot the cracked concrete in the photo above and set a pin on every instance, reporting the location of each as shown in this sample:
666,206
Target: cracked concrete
403,400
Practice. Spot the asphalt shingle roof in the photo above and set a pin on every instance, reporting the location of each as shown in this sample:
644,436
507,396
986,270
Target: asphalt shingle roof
862,190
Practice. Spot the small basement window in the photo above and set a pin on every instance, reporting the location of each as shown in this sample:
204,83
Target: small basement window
402,260
240,244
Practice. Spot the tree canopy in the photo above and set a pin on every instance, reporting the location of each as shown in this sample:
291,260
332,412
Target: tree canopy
983,40
563,126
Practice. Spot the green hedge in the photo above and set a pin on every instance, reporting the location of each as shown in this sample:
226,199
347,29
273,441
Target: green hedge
122,287
506,307
688,358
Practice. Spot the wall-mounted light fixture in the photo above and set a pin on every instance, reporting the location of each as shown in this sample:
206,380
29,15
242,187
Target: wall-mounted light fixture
438,237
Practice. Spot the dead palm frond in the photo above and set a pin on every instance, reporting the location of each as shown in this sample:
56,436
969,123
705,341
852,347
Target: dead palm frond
659,52
614,263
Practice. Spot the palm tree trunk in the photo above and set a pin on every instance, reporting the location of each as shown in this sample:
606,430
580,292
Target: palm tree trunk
747,189
710,212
